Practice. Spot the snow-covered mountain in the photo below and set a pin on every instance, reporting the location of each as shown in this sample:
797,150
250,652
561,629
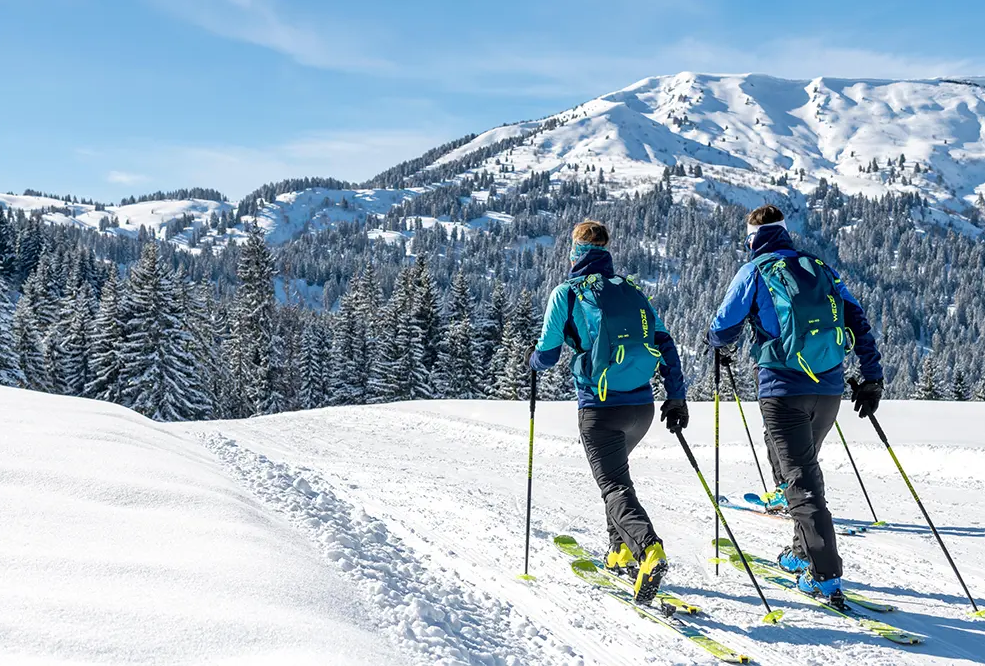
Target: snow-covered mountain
393,534
731,138
747,131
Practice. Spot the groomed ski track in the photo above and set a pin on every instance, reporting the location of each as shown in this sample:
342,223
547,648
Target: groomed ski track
444,484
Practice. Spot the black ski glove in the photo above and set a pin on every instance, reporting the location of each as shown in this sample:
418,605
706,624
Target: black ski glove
726,355
530,352
866,396
674,412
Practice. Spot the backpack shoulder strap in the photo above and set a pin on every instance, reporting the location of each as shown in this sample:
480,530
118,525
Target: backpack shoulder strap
570,331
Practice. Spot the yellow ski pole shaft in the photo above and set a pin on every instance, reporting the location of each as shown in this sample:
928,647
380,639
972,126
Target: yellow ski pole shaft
933,528
755,456
530,473
718,382
772,617
875,519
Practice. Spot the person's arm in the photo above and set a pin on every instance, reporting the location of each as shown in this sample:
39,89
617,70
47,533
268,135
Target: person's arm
670,370
726,327
865,342
548,350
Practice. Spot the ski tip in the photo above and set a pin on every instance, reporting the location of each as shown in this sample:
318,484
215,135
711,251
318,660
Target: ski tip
722,543
718,560
564,540
977,614
722,499
881,523
584,565
773,617
526,577
753,498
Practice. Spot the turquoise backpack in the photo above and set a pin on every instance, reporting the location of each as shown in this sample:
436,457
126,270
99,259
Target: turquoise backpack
621,324
813,337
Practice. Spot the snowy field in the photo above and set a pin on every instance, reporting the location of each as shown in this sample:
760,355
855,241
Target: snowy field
394,534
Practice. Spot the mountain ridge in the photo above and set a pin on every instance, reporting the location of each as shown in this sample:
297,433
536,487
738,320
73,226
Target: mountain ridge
730,138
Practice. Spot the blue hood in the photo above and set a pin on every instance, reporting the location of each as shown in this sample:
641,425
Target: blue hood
595,261
771,239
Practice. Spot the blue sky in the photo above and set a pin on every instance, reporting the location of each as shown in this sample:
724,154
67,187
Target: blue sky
105,98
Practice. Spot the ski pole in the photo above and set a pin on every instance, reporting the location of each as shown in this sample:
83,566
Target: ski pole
735,392
530,473
772,616
876,521
882,435
718,383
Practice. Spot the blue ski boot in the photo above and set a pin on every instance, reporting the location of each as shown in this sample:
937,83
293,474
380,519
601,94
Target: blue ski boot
828,591
776,501
791,562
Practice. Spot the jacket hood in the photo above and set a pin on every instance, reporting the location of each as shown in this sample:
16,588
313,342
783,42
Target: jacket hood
595,261
771,239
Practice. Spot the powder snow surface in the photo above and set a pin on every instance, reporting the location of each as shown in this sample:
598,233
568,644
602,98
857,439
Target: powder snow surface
394,534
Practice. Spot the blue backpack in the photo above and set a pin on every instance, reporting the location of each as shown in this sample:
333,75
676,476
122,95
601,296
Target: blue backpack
622,354
813,337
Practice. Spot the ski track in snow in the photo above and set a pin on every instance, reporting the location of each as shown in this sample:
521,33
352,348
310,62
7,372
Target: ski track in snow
448,481
433,615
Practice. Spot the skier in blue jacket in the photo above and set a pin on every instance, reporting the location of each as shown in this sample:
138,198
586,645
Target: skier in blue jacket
799,404
619,342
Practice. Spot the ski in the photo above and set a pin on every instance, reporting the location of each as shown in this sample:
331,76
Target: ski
854,597
851,611
570,546
590,573
759,509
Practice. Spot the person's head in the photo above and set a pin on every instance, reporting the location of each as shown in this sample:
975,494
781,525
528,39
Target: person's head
764,216
587,236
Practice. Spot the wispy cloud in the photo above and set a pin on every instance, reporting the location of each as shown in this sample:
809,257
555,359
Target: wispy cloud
268,24
529,67
236,169
125,178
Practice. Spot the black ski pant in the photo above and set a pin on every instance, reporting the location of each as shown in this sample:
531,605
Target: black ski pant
795,428
609,435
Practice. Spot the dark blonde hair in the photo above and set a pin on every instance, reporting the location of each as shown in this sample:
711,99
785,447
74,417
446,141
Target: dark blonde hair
768,214
591,232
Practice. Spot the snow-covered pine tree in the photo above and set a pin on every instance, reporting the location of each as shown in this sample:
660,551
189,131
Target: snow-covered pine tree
980,391
391,359
457,375
10,367
927,381
202,344
347,354
959,386
159,376
490,327
29,345
459,306
253,329
76,343
30,247
312,390
8,248
106,363
425,332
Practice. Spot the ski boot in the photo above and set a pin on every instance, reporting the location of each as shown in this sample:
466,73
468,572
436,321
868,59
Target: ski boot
621,562
828,591
792,562
652,570
776,501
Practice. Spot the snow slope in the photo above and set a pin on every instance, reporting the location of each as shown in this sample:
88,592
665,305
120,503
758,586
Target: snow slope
124,543
448,479
153,216
394,534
